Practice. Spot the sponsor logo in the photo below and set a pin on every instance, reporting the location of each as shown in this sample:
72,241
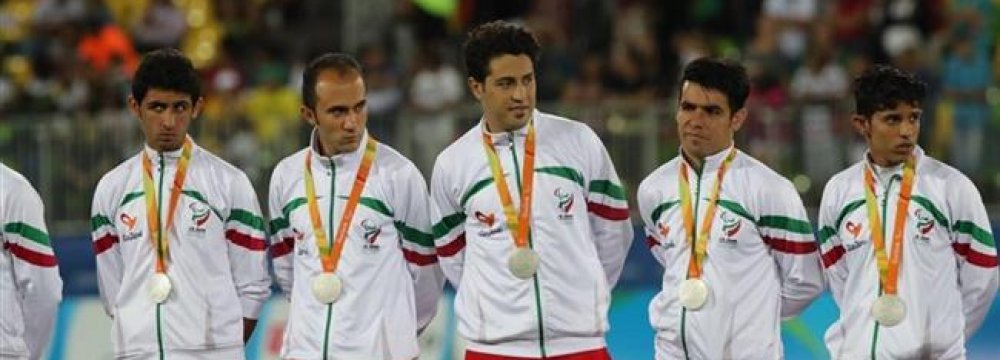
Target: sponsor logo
300,248
664,231
371,231
565,203
490,222
853,228
130,221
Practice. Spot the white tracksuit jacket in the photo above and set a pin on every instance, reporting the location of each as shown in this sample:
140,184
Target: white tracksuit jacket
392,280
217,261
580,228
948,272
30,287
762,263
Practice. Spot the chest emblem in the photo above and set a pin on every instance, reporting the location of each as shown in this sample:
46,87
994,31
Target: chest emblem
564,201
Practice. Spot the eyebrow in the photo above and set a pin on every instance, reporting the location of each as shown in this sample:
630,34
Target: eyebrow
513,78
336,108
707,107
153,103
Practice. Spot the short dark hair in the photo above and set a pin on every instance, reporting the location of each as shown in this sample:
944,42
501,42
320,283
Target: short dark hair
166,69
339,62
727,76
884,87
495,39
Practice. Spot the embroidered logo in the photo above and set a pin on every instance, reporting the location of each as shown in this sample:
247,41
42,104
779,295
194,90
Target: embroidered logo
372,231
300,249
664,231
490,222
731,226
853,228
130,222
924,222
565,203
199,216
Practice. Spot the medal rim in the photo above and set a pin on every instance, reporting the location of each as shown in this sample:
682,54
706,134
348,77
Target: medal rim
883,306
523,256
156,282
689,284
335,289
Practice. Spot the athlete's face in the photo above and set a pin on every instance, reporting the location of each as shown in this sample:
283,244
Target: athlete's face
507,94
164,116
341,111
705,122
891,133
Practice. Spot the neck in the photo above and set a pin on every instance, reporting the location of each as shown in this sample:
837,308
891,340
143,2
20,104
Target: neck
323,148
493,126
883,161
694,161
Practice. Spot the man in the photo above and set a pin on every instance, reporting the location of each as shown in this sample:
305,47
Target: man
30,289
732,234
351,237
906,241
177,232
540,207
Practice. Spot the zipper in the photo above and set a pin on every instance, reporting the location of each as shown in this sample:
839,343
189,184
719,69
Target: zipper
159,231
538,299
885,227
697,202
329,239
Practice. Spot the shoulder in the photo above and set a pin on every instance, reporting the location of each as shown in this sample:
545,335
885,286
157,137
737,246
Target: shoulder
394,163
565,130
953,180
660,177
459,151
763,178
839,185
209,161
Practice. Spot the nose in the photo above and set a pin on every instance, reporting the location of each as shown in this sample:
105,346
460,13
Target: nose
520,93
170,121
909,129
351,121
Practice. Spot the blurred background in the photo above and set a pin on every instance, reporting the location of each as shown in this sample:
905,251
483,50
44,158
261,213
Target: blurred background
613,64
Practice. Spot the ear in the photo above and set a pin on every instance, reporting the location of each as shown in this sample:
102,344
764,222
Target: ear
199,103
476,87
133,107
861,125
739,118
308,115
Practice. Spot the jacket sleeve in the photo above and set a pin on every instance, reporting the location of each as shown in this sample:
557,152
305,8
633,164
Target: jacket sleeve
831,247
976,251
282,235
244,229
105,241
449,224
785,228
608,211
413,222
36,273
648,201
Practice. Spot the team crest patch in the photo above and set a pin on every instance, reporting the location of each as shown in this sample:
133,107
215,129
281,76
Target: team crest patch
925,224
731,226
489,221
564,203
130,223
371,233
199,217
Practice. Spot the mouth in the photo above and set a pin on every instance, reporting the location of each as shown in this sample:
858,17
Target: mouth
906,147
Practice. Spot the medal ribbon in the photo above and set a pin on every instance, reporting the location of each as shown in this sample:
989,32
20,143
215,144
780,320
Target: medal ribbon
888,267
158,235
699,248
518,222
328,258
